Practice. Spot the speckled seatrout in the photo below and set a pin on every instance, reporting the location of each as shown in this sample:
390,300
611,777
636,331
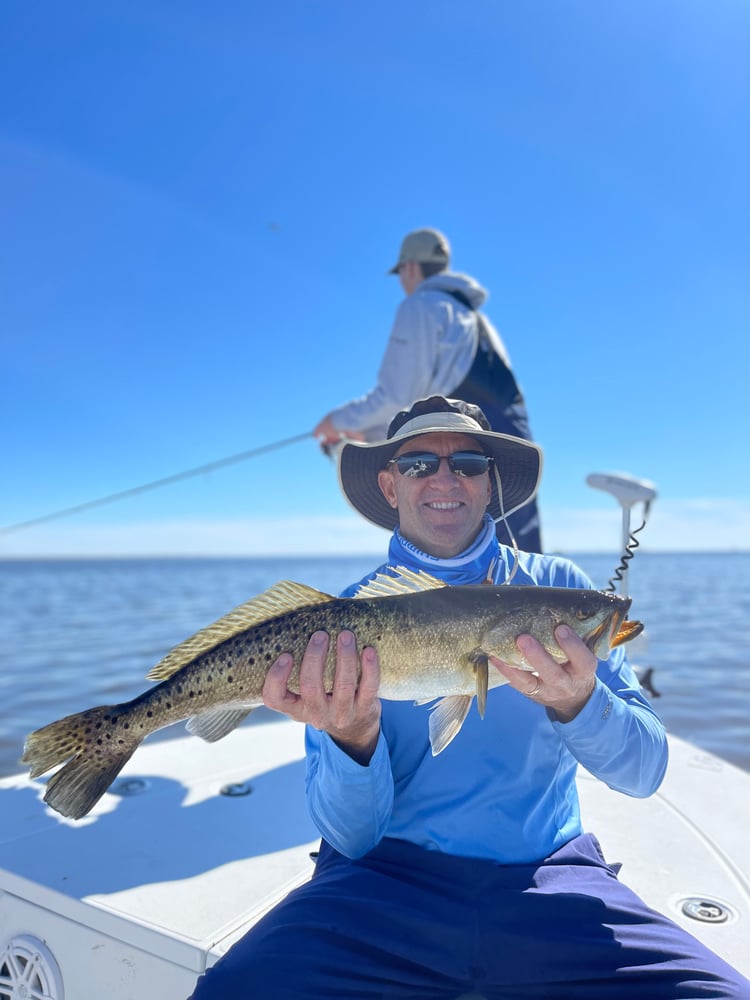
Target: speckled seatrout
433,641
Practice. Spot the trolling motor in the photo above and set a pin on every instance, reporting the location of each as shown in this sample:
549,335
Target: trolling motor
628,491
624,488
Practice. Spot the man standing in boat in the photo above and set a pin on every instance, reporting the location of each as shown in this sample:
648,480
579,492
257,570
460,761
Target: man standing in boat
440,343
467,871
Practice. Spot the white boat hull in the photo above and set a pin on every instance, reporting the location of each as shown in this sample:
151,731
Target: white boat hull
150,889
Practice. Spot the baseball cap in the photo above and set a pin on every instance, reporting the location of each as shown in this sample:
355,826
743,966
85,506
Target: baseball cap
426,246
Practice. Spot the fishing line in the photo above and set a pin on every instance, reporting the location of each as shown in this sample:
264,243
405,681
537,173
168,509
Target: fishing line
133,491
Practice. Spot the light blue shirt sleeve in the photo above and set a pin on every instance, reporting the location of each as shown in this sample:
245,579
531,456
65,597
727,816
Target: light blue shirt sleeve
617,736
350,804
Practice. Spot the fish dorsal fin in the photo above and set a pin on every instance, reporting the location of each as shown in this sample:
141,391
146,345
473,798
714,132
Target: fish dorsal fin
406,581
277,600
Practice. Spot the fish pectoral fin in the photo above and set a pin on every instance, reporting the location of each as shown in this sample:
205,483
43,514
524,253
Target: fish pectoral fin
446,719
216,723
405,581
481,665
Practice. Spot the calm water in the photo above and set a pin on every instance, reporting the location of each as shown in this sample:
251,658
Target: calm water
74,634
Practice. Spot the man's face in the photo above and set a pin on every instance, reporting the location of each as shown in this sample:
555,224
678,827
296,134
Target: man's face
410,275
440,514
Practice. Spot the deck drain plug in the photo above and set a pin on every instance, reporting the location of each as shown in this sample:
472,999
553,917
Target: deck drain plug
708,911
130,786
237,788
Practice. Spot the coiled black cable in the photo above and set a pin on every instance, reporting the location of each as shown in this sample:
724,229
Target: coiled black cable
627,555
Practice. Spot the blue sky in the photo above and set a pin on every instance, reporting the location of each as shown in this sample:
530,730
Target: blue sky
200,201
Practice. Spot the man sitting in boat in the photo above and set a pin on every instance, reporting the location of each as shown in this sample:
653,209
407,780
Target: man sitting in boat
468,870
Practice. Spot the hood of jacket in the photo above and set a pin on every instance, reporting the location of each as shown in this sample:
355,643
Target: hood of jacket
451,281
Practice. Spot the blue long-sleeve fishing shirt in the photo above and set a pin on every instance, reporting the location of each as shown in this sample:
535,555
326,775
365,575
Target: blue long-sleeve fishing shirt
505,787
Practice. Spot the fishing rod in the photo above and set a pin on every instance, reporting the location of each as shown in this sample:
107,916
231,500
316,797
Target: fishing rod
133,491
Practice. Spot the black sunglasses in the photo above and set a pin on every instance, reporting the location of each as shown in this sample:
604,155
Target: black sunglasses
420,464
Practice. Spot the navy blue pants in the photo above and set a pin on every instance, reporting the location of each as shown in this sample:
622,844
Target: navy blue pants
407,923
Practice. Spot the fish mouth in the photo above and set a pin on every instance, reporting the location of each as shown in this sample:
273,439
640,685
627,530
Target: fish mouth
627,630
615,630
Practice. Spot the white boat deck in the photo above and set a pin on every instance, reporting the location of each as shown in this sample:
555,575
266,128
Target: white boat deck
149,889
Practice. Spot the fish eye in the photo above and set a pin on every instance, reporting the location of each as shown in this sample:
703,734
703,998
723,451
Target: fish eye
582,614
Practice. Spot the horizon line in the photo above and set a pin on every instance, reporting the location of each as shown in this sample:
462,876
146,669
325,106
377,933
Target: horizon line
83,557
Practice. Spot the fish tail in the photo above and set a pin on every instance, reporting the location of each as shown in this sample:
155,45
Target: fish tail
77,787
96,749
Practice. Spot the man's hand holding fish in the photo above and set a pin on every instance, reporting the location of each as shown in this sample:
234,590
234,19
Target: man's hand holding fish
350,711
563,687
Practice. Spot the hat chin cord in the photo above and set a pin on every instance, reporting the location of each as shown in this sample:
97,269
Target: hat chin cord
504,519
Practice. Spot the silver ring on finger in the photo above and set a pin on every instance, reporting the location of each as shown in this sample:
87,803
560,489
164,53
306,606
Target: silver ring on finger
535,692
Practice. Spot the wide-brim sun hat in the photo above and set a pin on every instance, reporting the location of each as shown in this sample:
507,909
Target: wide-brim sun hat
517,462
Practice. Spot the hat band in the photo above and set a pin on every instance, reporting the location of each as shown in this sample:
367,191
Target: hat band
453,423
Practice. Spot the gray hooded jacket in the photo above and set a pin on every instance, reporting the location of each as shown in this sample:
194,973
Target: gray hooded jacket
430,350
